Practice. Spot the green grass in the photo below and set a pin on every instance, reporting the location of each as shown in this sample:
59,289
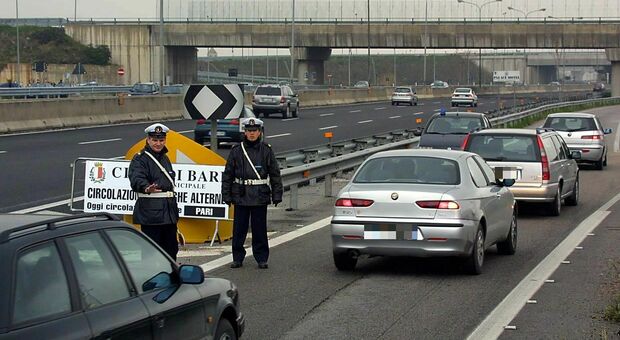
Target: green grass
612,311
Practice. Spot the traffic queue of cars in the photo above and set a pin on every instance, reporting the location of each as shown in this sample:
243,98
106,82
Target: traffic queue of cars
433,202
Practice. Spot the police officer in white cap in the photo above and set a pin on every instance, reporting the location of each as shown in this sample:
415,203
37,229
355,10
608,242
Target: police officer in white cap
251,181
152,177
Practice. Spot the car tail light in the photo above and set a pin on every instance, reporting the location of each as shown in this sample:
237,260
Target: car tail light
353,202
234,122
594,137
201,121
451,205
464,144
544,160
282,100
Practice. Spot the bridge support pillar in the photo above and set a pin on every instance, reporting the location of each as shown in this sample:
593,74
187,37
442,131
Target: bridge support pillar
181,65
311,64
613,54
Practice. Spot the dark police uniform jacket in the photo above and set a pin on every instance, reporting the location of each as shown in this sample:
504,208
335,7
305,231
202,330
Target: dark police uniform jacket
143,172
237,167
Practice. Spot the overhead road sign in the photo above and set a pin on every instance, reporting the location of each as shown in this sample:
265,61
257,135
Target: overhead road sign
506,76
213,101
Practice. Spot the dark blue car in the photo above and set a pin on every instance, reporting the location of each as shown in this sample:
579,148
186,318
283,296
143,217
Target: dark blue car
228,130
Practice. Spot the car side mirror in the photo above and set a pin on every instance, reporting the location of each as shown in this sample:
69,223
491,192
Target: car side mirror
191,274
575,154
608,131
417,132
508,182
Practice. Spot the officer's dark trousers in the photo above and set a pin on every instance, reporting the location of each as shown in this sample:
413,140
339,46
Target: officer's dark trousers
165,235
257,217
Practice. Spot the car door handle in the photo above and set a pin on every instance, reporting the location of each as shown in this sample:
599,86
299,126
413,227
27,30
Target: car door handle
498,195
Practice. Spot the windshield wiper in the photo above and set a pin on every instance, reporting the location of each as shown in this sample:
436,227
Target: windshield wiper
497,159
580,129
435,133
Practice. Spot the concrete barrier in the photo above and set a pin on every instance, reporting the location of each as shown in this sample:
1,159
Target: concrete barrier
47,114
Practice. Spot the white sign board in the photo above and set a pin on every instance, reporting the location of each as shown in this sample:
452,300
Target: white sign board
198,189
506,76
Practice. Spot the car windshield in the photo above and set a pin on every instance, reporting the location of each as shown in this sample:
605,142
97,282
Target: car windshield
504,147
402,90
453,125
268,91
462,90
142,88
416,169
571,124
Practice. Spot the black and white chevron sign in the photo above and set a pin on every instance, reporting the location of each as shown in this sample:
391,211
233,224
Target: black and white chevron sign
213,101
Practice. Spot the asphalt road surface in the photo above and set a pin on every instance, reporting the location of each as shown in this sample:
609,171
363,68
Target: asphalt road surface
36,166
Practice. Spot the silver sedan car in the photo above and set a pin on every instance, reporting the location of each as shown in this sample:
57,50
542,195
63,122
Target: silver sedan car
424,202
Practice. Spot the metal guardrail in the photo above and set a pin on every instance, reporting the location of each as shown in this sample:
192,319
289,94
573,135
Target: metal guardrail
63,92
312,164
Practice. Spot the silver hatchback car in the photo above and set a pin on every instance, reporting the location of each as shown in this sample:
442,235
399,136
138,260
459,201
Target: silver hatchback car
424,203
546,169
582,132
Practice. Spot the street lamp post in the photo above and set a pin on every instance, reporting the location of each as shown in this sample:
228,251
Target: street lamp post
525,14
368,25
292,45
479,19
17,29
161,47
425,36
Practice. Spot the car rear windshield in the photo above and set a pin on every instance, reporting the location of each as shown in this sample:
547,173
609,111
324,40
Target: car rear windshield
403,90
571,124
268,91
462,90
504,148
453,125
410,169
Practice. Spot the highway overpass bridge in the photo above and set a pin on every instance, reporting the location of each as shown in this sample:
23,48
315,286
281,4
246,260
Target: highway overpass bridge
135,44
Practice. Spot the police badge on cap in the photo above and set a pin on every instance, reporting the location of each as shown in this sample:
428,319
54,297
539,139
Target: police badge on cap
157,130
253,124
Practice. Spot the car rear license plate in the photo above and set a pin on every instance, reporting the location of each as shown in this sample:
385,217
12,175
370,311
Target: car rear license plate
392,231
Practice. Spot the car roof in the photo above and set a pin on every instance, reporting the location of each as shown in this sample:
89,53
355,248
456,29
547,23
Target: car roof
572,114
440,153
525,132
463,88
15,225
464,114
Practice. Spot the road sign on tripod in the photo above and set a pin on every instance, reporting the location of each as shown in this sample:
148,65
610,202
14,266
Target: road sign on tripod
213,101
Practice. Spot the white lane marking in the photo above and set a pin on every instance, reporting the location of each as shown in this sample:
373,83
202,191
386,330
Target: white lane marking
326,114
379,108
394,117
280,135
418,113
50,212
493,325
617,139
328,127
46,206
436,102
355,111
3,152
211,265
186,131
437,110
364,121
289,119
100,141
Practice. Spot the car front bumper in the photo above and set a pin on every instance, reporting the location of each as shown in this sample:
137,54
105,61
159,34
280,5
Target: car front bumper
448,237
240,324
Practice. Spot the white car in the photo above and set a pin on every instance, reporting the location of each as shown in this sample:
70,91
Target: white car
464,95
404,94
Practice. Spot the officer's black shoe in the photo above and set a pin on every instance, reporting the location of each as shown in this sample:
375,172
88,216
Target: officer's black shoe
236,265
263,265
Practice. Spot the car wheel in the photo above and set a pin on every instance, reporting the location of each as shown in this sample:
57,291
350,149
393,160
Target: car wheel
392,103
475,261
344,261
556,205
296,111
415,103
509,245
475,104
286,113
573,199
266,115
605,160
225,331
598,165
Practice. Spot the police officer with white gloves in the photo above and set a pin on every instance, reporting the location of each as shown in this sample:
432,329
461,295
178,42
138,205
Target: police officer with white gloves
251,181
152,177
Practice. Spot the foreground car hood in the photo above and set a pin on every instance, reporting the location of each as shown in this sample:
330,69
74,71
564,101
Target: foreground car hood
442,141
403,207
